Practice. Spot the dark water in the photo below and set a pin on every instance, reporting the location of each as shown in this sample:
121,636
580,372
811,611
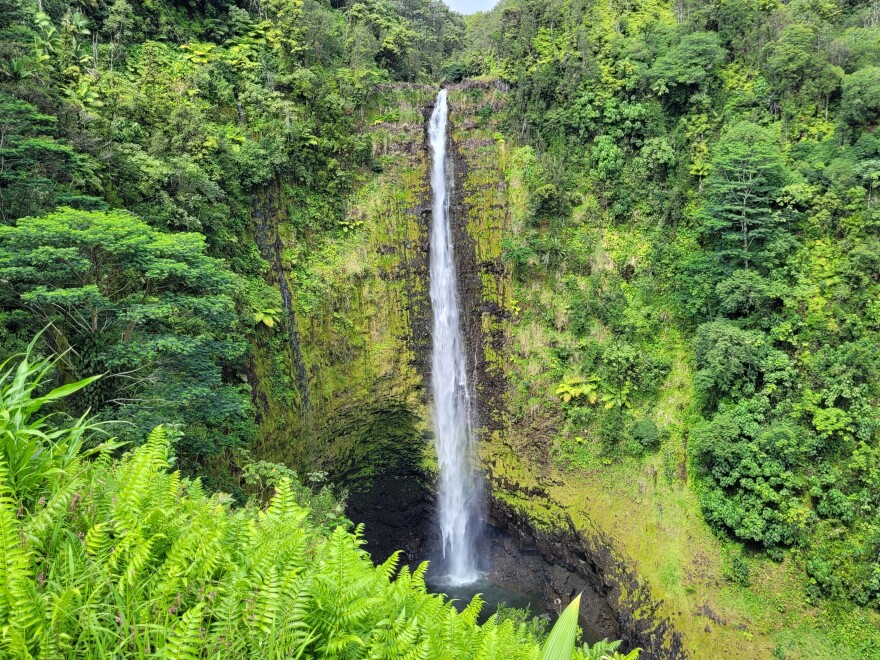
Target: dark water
493,595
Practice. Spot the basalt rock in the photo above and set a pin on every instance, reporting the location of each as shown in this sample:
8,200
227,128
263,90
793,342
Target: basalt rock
616,604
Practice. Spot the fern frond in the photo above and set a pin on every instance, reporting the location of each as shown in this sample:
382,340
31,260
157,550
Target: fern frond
50,517
227,638
418,576
389,566
140,557
99,542
16,598
185,640
472,612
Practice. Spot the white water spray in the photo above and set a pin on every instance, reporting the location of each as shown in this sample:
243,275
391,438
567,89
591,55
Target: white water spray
459,491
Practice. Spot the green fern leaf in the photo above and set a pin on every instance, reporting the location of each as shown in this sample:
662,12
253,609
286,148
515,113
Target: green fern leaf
185,640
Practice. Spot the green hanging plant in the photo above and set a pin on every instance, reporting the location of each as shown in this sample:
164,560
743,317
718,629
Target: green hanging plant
268,317
575,388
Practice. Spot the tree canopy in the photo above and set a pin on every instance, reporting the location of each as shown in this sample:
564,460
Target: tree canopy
148,309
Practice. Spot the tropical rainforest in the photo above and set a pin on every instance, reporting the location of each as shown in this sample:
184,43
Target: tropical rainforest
213,311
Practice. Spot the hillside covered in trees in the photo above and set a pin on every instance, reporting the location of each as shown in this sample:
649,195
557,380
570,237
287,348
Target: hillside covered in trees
704,192
667,218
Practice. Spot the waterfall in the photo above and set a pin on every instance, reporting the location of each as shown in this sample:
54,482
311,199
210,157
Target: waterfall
459,489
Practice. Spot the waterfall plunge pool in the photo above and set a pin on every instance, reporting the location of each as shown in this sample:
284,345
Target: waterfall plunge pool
493,595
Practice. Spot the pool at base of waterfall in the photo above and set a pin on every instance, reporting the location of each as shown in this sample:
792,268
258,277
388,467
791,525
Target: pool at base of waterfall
493,595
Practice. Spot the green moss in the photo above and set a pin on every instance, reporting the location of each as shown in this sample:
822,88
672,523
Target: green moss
355,293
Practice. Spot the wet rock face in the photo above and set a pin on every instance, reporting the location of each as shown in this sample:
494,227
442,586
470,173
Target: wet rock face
398,514
394,499
560,560
524,567
398,511
573,563
483,319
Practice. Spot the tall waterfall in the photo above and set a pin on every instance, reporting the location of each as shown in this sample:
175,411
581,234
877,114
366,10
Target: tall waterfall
459,491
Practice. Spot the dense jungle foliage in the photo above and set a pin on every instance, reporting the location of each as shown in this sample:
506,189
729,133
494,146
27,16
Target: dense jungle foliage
137,141
711,167
701,184
135,137
121,557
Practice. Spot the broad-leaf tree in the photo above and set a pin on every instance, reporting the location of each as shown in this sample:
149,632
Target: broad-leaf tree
147,308
741,220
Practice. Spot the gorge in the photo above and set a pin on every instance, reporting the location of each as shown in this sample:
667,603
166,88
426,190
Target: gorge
563,298
525,563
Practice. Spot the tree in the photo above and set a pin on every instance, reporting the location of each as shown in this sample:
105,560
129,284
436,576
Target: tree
747,294
797,68
790,59
38,171
747,175
147,308
751,487
860,105
681,71
728,360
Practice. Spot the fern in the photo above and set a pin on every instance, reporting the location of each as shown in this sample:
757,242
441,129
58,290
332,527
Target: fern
228,614
124,558
472,612
48,519
99,542
140,557
389,567
607,650
185,640
19,611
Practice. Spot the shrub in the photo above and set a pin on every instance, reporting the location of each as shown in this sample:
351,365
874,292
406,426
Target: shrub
739,571
834,504
646,434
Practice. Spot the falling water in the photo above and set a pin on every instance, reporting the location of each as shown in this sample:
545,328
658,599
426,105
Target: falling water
459,487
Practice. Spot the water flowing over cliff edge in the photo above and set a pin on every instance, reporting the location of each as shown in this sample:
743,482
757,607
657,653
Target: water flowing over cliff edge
367,348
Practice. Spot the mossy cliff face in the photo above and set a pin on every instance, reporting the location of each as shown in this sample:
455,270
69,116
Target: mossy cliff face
626,526
479,209
488,200
360,310
341,387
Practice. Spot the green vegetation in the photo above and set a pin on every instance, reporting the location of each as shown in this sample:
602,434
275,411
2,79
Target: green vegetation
108,557
693,205
217,207
156,132
146,307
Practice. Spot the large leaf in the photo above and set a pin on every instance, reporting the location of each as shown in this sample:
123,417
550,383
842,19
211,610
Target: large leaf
67,390
561,642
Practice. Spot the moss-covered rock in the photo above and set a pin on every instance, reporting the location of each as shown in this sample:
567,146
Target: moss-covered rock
361,313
